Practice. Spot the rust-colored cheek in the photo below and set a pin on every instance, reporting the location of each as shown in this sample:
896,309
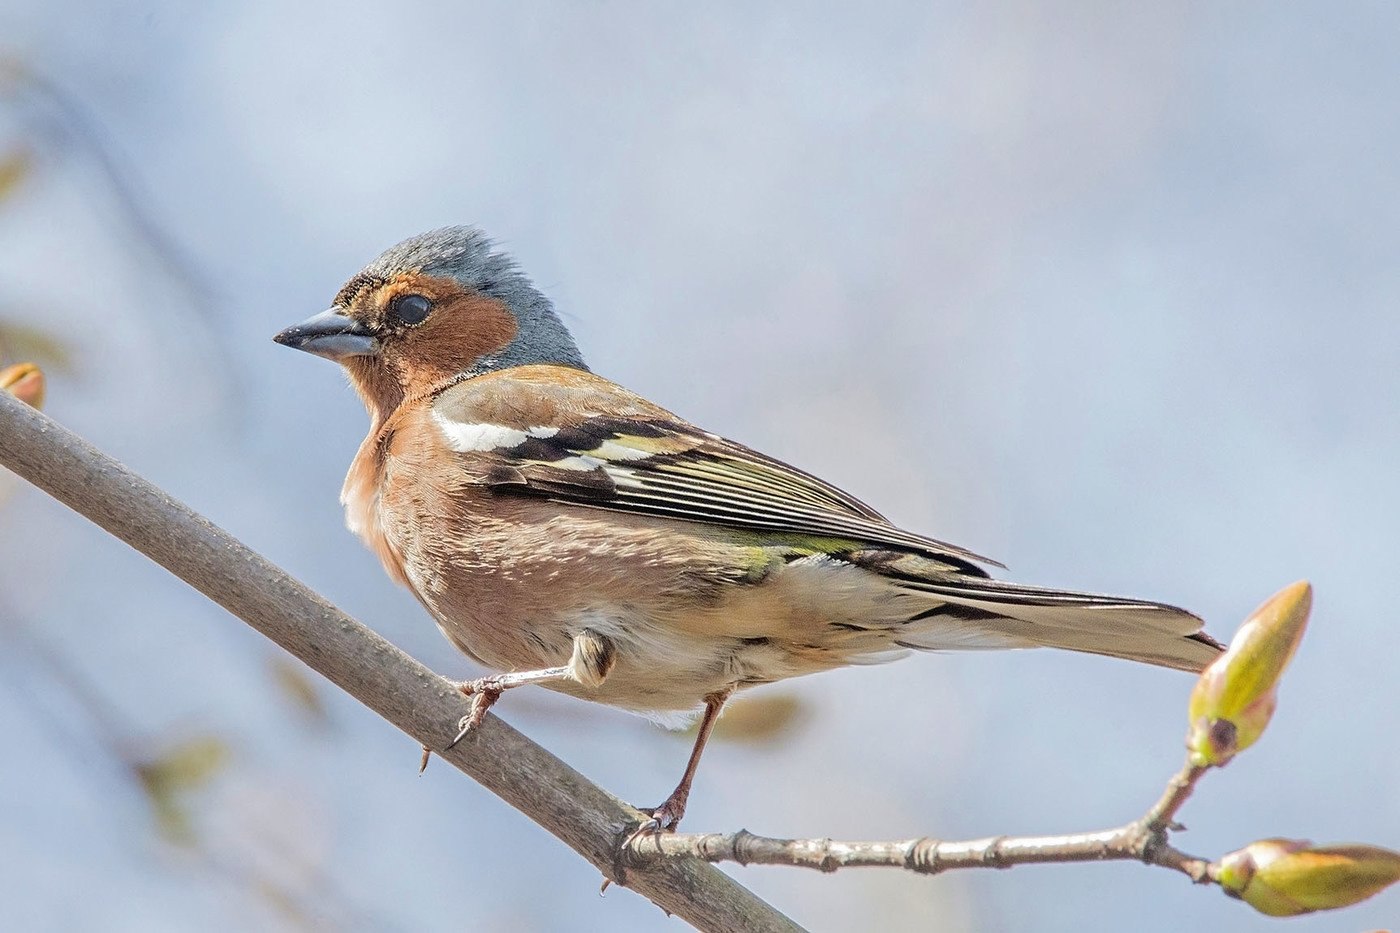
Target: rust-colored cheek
461,331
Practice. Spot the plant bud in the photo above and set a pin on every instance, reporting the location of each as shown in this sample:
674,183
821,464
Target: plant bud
1236,695
25,381
1288,877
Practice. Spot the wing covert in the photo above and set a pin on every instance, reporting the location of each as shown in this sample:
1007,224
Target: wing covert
672,470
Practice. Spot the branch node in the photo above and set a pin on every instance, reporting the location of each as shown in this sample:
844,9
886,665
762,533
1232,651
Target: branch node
992,855
829,862
922,856
742,845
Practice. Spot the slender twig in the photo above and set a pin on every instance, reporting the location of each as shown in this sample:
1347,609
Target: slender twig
407,694
1143,840
1161,817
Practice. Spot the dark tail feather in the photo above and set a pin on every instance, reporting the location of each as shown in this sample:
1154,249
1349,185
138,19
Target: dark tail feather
1139,630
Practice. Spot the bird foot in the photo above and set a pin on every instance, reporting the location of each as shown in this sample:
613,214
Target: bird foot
664,819
484,691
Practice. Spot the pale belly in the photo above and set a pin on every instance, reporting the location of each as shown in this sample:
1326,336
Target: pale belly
682,627
668,657
687,612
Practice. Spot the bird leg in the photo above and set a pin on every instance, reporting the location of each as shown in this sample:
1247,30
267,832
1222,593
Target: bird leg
485,691
666,817
592,659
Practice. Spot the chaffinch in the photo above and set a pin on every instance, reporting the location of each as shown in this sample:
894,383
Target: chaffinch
574,535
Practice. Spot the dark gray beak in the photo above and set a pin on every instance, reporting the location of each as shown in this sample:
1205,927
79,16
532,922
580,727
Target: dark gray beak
331,334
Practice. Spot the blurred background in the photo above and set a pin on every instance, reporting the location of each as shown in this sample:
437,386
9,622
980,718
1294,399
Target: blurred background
1106,291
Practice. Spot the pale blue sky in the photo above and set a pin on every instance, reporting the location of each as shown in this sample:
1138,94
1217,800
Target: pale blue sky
1107,292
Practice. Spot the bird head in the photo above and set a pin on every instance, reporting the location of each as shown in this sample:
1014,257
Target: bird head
440,306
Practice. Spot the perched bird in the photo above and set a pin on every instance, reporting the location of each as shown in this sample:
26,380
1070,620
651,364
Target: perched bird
572,534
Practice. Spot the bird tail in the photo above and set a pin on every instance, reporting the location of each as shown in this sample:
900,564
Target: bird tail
991,613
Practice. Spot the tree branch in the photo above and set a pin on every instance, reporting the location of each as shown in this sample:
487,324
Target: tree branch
1143,840
379,675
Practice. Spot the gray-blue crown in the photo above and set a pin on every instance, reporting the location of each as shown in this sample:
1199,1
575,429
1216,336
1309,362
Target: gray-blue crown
468,255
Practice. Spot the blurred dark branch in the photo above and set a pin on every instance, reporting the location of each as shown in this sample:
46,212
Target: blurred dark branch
1143,840
407,694
112,734
56,115
106,725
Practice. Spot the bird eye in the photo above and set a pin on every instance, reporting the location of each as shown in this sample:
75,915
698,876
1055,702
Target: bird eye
411,309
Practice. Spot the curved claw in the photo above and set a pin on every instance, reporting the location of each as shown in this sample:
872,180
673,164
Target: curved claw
648,828
484,691
664,819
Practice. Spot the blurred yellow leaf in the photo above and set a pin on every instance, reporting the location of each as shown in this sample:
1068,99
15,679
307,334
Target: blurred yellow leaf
172,819
14,166
760,718
292,679
21,341
171,775
12,72
191,763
